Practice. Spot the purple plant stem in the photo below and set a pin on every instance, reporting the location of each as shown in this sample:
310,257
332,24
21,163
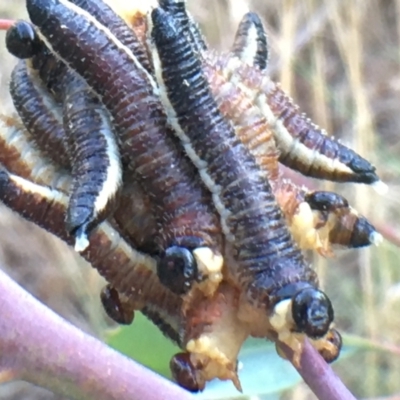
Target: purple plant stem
318,375
38,346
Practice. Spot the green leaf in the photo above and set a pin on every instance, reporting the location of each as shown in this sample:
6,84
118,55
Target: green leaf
143,342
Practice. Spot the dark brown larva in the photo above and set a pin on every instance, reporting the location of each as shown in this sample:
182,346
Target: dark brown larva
270,267
39,112
147,146
20,155
303,146
87,137
135,278
96,166
250,44
343,227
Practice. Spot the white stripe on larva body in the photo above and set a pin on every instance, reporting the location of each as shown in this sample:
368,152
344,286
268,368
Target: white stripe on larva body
109,34
45,96
105,229
117,242
289,145
114,169
282,136
41,170
44,191
113,178
250,49
200,164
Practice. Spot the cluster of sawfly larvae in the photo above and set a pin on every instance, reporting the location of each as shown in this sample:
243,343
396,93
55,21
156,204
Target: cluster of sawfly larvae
159,161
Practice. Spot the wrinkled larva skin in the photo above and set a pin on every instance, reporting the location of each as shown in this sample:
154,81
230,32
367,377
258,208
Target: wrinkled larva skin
170,155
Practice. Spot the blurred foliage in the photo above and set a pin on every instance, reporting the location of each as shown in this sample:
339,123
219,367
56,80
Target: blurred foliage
143,342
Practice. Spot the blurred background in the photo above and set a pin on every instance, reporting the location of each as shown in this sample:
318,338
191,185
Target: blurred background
340,61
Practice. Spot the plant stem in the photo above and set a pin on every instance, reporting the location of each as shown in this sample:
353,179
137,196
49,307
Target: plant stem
318,375
38,346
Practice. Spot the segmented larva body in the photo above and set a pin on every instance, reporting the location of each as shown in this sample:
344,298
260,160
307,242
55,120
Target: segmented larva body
95,161
147,147
19,154
250,125
107,17
135,219
135,286
250,217
40,204
177,8
39,112
303,146
250,44
135,278
87,139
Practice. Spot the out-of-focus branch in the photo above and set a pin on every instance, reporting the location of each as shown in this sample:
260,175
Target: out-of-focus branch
318,375
5,24
389,233
38,346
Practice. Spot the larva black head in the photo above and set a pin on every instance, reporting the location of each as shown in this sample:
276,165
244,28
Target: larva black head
114,308
312,312
325,201
22,40
40,10
177,269
184,373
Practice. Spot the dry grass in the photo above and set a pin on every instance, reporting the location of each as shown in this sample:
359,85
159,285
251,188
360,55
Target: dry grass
341,62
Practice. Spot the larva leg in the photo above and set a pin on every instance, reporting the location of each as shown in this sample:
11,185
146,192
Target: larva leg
115,307
186,374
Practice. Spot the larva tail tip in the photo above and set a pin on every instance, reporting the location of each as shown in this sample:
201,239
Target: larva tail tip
81,242
380,187
375,238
